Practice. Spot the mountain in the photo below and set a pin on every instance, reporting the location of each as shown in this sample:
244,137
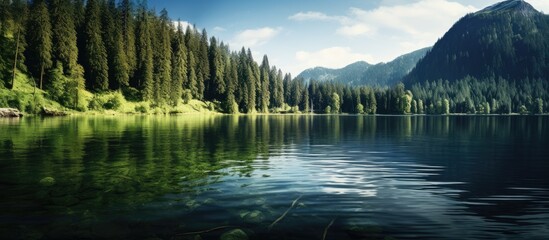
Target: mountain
363,73
508,40
353,72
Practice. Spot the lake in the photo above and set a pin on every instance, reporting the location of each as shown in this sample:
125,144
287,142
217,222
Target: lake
275,177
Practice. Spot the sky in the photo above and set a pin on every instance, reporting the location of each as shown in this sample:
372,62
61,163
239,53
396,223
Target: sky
301,34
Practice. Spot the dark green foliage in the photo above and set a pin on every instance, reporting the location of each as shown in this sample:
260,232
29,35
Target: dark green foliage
203,65
179,66
39,38
499,96
95,54
114,42
144,72
264,81
162,54
64,34
489,44
128,35
12,49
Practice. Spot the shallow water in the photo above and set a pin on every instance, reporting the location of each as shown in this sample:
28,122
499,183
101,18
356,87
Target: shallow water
138,177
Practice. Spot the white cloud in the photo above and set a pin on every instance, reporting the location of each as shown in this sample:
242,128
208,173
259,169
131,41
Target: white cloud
254,37
423,20
219,29
333,57
315,16
184,24
354,30
540,5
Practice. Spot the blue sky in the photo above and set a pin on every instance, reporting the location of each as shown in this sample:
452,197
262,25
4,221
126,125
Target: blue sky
299,34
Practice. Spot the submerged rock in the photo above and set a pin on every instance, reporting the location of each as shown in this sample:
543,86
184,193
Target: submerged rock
255,216
235,234
47,182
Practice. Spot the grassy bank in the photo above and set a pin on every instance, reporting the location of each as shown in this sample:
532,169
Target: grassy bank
31,100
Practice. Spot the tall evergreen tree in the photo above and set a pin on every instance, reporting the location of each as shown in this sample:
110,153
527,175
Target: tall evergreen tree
64,34
19,24
265,84
216,87
191,42
179,66
128,35
144,72
95,54
162,57
203,68
231,76
39,38
112,36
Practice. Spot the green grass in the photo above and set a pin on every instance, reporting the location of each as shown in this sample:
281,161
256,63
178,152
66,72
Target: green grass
25,97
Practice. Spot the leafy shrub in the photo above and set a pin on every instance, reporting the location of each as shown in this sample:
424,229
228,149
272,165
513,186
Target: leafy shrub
95,103
142,108
187,96
114,102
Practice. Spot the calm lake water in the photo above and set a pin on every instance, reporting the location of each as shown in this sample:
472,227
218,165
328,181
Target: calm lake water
275,177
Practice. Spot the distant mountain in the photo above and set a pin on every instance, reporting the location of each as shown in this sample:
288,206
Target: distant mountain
352,72
363,73
509,39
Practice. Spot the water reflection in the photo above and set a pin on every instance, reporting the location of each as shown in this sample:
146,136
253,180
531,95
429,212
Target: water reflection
399,177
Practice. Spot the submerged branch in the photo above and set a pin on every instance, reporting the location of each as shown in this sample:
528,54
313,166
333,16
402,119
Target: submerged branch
326,229
286,212
205,231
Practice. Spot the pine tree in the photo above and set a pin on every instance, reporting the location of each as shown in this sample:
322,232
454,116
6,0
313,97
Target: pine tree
95,54
216,88
39,38
305,103
191,42
112,36
279,94
19,21
231,76
162,58
265,84
144,71
203,68
128,35
64,34
192,79
179,66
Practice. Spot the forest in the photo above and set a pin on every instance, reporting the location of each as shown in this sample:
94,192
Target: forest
76,51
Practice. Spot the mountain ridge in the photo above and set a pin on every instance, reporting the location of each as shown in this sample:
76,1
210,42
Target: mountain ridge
363,73
508,40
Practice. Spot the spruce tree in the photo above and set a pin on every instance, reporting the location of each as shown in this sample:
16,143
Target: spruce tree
64,35
191,42
179,66
144,72
231,76
19,24
216,87
128,35
279,93
95,54
203,71
162,57
265,84
112,36
39,38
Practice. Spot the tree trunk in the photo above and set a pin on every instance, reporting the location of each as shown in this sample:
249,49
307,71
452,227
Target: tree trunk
16,55
41,75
